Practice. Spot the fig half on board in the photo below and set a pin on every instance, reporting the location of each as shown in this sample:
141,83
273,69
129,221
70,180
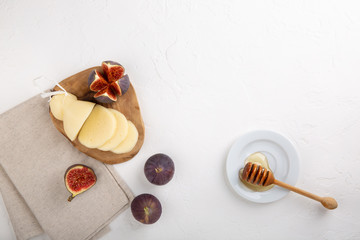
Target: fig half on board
110,85
79,178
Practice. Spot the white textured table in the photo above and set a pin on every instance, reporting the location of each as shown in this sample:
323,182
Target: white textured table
205,72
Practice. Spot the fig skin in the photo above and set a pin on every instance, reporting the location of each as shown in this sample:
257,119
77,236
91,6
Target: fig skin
124,84
93,180
146,208
159,169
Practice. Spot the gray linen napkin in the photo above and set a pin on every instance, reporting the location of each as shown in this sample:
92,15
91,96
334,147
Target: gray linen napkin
34,157
23,220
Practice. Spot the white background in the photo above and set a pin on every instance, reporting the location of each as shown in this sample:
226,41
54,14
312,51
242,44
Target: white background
205,72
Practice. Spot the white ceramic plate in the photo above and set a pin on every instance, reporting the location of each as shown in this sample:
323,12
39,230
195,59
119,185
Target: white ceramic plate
282,157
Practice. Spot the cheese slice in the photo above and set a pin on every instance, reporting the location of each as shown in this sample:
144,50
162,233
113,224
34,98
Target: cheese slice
75,114
129,142
120,131
58,102
98,128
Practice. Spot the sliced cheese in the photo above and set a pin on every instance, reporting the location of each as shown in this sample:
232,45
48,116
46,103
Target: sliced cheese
129,142
120,131
75,115
98,128
58,102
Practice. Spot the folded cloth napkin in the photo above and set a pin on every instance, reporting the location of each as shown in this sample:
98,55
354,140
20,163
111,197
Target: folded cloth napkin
23,220
33,159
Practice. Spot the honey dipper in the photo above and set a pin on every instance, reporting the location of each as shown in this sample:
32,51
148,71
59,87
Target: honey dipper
256,174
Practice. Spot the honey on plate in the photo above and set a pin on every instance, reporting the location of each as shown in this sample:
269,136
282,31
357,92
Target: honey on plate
261,160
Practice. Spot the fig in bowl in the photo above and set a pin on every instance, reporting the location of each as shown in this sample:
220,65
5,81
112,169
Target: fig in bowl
79,178
159,169
107,87
146,208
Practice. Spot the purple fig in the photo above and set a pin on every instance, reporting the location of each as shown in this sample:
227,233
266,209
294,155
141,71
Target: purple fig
159,169
146,208
113,84
124,84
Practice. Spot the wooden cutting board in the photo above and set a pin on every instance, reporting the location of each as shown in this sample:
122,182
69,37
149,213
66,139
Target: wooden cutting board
126,104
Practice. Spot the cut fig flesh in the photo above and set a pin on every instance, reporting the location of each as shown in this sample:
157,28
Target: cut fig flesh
79,178
109,86
110,91
113,70
96,81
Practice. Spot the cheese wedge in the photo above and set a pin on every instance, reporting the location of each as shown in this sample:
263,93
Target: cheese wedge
129,142
75,114
120,131
58,102
98,128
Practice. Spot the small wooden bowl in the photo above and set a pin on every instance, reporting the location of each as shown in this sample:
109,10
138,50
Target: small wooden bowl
126,104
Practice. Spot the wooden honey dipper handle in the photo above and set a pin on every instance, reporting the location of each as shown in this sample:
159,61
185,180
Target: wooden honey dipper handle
327,202
256,174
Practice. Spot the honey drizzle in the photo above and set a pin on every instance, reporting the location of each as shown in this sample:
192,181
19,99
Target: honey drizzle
261,160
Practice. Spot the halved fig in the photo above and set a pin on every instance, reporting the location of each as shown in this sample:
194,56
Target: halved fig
113,70
146,208
108,87
79,178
